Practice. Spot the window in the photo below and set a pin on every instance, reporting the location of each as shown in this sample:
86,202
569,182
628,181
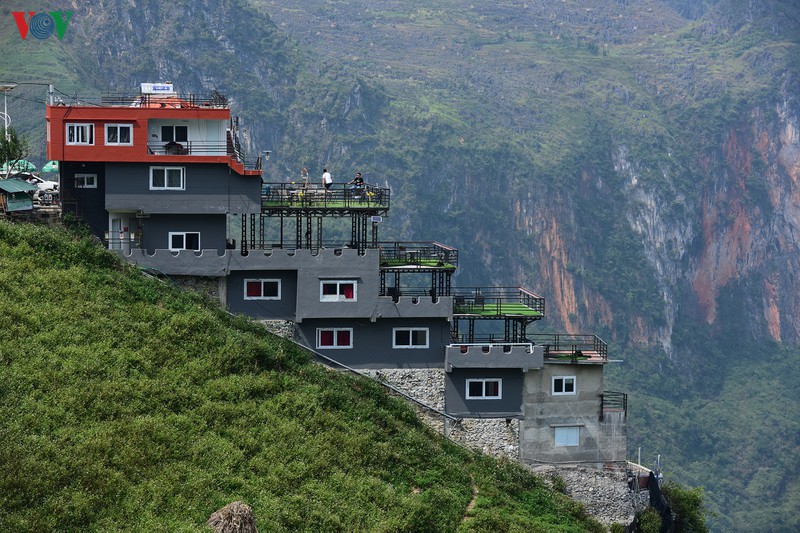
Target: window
484,389
568,436
168,178
85,181
337,291
563,385
410,338
178,134
120,134
262,289
184,241
80,133
334,338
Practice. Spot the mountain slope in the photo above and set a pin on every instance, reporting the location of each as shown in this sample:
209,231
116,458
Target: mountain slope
634,162
128,404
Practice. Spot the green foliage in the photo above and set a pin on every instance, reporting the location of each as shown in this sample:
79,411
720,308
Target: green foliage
687,506
13,146
649,521
129,404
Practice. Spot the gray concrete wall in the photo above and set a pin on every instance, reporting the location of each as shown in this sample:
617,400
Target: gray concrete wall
466,356
509,406
210,188
544,412
372,342
156,229
263,309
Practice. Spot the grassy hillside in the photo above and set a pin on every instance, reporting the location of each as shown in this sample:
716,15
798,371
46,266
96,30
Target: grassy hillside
128,404
495,122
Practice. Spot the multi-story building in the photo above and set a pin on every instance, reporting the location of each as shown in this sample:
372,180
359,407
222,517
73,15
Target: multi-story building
162,179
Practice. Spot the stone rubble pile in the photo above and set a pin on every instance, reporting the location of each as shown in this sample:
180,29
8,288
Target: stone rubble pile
604,493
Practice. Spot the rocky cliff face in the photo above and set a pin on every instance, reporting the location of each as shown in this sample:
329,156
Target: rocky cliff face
731,249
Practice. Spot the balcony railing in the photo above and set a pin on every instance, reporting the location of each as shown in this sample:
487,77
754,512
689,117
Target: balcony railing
188,148
340,195
489,302
201,148
404,255
176,101
613,402
570,347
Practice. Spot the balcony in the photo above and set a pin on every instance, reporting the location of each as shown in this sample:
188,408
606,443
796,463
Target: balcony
215,100
573,349
298,198
417,256
613,402
524,356
497,302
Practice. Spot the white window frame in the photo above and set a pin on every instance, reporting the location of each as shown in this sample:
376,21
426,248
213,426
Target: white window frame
567,436
166,187
564,380
483,395
119,127
335,346
82,133
85,181
339,296
184,234
410,345
262,281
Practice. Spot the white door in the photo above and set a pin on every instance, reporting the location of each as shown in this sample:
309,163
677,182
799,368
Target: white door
114,236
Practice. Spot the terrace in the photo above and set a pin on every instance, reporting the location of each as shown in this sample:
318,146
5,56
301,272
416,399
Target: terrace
416,256
299,197
170,100
556,347
569,348
497,302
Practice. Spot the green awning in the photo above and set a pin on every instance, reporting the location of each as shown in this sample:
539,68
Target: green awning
12,186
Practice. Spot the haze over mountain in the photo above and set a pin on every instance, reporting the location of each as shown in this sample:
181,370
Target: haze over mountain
636,162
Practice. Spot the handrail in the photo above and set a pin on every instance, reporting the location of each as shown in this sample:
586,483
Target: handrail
175,100
304,194
570,343
613,401
398,254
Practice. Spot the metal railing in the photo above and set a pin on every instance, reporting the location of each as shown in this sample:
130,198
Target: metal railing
420,254
495,300
299,194
558,344
202,148
613,402
188,148
175,100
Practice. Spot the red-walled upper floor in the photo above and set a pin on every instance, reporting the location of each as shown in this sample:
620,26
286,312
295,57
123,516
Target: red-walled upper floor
163,130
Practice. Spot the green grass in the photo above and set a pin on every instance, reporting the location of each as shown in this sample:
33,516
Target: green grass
493,309
128,404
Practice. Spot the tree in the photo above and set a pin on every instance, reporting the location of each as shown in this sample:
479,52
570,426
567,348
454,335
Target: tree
687,504
12,148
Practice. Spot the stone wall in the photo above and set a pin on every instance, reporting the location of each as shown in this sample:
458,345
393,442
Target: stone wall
605,493
204,285
492,436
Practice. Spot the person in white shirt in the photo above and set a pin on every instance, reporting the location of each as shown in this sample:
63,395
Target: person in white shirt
327,180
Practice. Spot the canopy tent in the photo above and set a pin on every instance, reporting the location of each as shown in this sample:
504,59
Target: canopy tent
50,166
18,165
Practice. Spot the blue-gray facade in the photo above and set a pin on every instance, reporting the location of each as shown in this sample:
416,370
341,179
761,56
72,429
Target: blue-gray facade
374,344
508,404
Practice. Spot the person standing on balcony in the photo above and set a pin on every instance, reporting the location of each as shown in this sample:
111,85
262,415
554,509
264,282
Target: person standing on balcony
304,178
327,180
